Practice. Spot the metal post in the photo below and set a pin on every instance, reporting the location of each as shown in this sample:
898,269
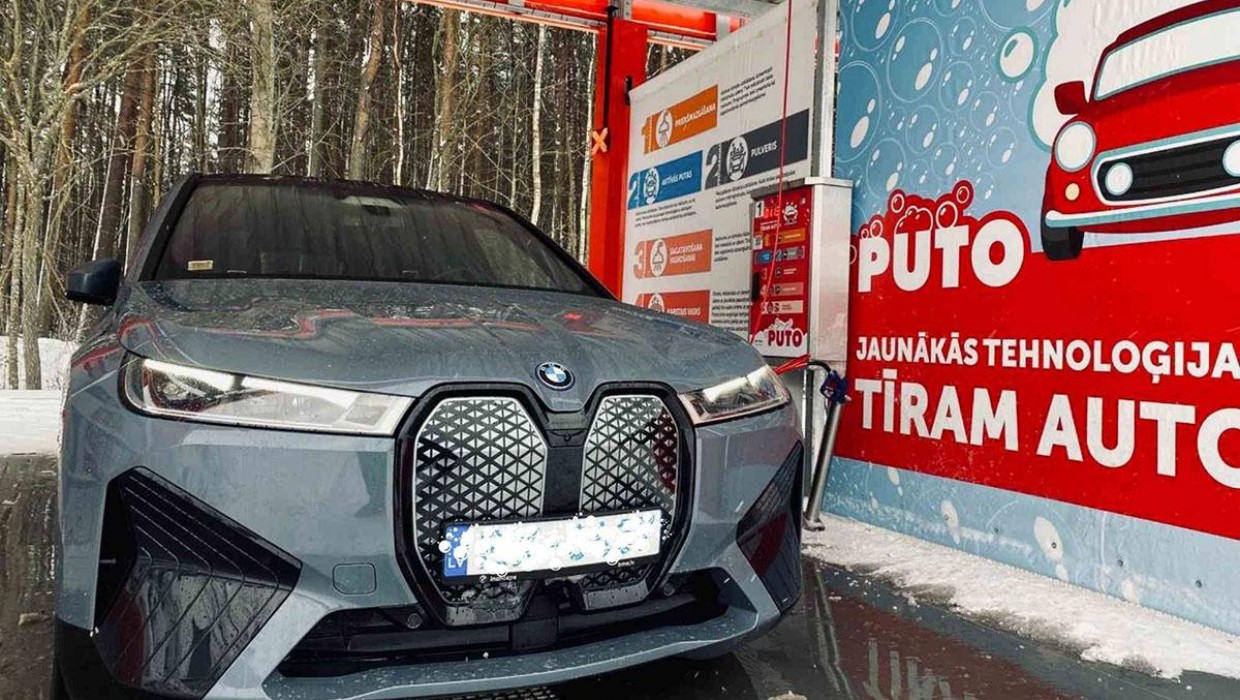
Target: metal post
835,392
621,66
823,132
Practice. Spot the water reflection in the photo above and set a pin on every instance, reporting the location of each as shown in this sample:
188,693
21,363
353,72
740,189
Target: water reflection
857,639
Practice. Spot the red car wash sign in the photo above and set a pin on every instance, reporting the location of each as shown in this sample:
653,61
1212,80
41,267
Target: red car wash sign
779,321
1108,381
1047,236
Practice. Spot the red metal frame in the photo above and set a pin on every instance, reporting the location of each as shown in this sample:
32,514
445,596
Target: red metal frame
622,66
667,22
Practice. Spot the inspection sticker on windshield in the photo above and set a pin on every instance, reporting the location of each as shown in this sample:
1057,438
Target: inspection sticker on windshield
549,547
200,265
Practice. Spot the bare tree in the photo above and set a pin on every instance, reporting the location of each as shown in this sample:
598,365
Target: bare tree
444,128
104,104
261,151
536,127
358,154
138,196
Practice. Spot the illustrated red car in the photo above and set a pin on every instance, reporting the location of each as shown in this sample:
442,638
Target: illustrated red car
1156,145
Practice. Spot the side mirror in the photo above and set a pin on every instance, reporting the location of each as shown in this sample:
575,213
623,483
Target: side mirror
94,282
1070,98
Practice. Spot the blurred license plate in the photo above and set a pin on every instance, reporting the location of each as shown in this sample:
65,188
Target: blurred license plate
549,547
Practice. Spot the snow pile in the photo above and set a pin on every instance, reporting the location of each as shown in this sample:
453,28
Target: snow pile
1106,629
30,422
54,358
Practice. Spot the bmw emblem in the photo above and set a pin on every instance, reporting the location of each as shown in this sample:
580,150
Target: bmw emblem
555,375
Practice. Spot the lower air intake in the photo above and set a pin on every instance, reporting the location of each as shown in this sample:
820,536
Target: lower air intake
182,588
770,534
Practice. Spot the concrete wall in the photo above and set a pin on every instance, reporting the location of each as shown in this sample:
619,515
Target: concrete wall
27,521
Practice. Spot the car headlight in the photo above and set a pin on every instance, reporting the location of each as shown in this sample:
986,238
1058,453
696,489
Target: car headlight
759,390
1231,159
1075,146
1118,179
191,393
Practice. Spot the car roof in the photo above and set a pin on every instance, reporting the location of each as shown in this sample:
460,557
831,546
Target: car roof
361,186
1176,16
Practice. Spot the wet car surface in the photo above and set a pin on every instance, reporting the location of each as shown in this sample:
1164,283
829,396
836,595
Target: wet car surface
855,638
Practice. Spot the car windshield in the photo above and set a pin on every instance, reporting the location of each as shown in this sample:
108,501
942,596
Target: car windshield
346,231
1199,42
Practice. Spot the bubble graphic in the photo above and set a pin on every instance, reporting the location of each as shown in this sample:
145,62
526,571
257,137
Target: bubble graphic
944,160
923,75
963,34
947,7
886,167
954,89
884,23
913,59
859,132
951,518
1016,55
923,128
1000,147
1022,94
1013,13
918,175
985,186
1061,573
862,127
897,118
872,21
984,111
1047,537
1130,591
893,475
860,109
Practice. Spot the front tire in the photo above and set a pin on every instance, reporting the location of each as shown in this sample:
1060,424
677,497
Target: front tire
1062,243
58,690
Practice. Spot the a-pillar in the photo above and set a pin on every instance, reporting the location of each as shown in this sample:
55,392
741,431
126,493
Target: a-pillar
621,67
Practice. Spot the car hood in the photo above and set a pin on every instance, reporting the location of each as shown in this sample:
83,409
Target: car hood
1140,115
404,338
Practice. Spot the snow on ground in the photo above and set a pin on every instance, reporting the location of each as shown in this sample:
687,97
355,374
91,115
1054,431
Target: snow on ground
1105,629
30,422
54,358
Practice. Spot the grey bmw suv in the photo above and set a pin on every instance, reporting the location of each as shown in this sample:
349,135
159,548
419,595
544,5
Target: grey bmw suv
342,440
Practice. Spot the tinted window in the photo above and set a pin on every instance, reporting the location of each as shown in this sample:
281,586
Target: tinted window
350,232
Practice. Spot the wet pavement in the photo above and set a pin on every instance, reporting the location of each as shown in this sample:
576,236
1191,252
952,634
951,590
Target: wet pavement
851,637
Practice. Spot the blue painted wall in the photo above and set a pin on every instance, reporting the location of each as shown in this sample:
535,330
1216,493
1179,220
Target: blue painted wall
1182,572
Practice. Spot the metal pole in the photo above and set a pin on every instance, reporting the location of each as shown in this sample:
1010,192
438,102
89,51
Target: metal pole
822,467
823,131
808,409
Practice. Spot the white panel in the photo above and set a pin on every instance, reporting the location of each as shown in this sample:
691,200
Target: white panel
692,137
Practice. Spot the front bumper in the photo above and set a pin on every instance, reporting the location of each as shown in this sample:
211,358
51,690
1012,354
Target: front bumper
327,502
1142,212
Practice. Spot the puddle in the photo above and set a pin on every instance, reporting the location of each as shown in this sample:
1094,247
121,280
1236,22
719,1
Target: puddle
854,638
